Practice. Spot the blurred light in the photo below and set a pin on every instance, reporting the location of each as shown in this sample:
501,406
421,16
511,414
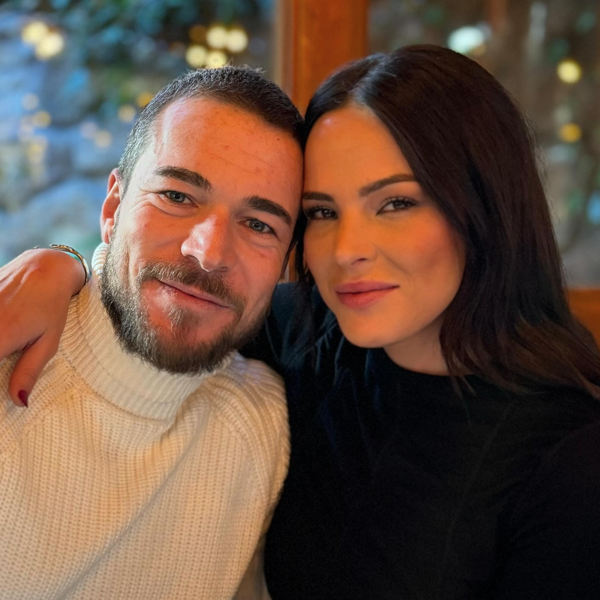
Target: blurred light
563,114
88,129
466,39
51,45
143,99
196,56
26,128
594,208
237,40
217,36
36,149
479,50
197,33
102,139
30,102
126,113
569,71
585,22
34,32
41,118
570,133
216,59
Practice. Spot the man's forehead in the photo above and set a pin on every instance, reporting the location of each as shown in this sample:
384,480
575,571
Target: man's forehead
204,115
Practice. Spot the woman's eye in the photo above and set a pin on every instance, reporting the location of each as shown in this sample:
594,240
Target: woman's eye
175,197
260,227
395,204
318,213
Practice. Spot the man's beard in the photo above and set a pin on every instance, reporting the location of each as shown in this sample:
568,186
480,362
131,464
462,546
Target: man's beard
173,352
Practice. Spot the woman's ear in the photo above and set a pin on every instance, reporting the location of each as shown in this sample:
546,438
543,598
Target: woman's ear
110,206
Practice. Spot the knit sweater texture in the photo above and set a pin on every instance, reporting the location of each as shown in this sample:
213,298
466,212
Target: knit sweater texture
121,481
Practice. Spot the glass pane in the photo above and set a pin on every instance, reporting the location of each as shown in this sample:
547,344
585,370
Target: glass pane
546,53
74,75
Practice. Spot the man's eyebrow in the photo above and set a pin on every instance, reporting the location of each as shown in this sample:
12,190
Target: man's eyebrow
381,183
268,206
185,175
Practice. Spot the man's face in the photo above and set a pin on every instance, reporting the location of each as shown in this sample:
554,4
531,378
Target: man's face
203,232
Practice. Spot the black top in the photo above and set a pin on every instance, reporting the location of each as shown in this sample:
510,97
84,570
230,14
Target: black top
400,489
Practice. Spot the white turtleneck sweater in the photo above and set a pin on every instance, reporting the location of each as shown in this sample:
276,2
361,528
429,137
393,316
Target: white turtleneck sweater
123,482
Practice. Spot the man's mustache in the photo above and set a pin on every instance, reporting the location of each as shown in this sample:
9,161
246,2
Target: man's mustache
193,276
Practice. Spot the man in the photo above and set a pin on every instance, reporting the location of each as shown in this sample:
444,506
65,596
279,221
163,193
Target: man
151,459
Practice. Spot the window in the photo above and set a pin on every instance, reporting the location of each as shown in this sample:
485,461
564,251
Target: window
546,53
74,75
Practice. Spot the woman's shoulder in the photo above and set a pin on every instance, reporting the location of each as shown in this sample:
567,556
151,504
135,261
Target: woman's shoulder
295,327
562,409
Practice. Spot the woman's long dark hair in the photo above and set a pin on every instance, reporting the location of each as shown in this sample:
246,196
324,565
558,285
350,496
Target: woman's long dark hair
472,152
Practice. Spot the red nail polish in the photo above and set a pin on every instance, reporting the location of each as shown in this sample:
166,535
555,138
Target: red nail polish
23,397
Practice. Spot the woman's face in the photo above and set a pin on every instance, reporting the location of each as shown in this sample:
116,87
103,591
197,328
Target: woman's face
384,258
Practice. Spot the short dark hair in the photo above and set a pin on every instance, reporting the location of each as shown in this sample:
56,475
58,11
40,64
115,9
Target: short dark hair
243,86
473,153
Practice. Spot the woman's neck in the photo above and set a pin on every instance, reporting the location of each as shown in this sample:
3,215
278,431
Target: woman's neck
421,353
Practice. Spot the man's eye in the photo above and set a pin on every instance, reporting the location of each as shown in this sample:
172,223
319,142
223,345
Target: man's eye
175,197
260,227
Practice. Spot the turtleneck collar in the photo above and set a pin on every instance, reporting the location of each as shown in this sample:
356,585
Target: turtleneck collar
91,346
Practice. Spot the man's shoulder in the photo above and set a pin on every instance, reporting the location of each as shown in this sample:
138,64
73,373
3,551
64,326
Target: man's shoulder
250,395
248,399
247,377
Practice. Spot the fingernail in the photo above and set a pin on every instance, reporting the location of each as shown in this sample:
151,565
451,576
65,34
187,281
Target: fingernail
23,397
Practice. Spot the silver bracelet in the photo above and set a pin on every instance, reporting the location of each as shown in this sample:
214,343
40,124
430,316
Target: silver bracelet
76,254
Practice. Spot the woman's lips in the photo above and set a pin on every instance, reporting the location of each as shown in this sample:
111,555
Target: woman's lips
362,294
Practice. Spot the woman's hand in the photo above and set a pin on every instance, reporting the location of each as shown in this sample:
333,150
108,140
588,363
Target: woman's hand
35,291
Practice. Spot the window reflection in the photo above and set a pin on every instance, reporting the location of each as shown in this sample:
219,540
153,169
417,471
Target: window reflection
75,75
546,53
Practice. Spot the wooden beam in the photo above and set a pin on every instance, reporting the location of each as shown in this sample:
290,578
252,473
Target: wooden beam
314,38
585,304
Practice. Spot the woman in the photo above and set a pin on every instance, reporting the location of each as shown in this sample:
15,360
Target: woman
443,400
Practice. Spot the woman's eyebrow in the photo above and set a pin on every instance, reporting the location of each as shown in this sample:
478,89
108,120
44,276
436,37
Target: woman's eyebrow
381,183
317,196
365,190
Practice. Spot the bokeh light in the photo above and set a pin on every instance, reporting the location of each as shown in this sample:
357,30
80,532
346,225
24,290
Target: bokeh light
41,118
50,46
30,101
466,39
237,40
126,113
216,59
570,133
143,99
102,138
217,36
34,32
569,71
196,56
197,33
88,129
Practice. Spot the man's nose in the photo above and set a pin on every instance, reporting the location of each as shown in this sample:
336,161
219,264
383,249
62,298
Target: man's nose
211,242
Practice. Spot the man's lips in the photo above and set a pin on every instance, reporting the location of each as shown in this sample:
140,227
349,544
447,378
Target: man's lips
195,293
361,294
